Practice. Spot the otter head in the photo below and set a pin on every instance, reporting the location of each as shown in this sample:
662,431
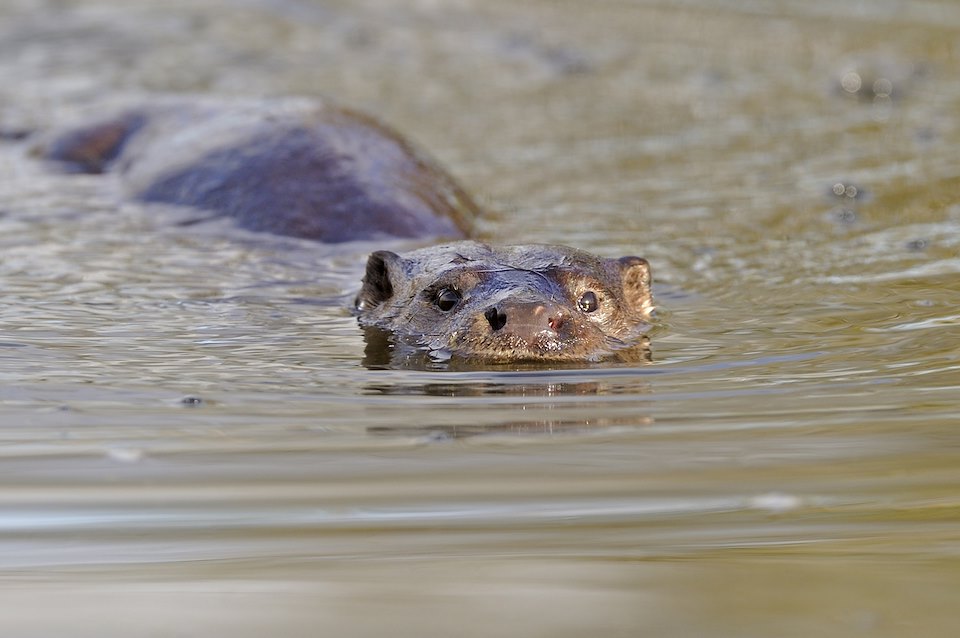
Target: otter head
513,303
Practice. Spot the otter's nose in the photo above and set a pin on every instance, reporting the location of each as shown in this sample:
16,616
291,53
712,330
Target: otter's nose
526,320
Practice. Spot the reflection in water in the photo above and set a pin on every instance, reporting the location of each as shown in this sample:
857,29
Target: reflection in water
532,403
525,391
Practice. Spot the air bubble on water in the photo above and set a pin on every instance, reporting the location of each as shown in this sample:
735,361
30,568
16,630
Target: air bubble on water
851,82
882,87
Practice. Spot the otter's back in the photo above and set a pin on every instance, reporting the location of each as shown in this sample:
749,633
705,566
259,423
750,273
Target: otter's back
295,168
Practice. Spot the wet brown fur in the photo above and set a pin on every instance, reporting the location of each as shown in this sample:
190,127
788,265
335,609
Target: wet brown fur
289,167
515,302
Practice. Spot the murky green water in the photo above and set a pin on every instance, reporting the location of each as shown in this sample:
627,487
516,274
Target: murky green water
786,466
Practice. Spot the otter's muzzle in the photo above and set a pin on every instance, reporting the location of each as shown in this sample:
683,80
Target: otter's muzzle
530,321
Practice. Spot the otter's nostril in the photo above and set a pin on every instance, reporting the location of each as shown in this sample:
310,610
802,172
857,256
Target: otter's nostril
555,322
495,318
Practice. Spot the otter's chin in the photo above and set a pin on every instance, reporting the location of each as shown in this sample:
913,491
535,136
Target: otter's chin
544,348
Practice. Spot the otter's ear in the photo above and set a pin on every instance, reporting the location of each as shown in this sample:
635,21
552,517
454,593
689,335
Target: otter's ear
635,276
376,282
93,148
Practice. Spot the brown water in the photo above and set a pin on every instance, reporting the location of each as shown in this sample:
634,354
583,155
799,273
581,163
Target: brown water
786,466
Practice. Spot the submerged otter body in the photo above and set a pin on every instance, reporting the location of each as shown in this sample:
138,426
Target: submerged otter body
311,170
532,302
292,167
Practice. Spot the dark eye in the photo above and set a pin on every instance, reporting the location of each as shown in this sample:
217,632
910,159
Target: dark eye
446,299
588,301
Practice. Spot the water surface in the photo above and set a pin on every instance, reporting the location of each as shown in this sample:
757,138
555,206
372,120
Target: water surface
193,443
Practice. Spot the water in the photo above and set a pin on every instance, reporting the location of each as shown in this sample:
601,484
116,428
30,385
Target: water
193,442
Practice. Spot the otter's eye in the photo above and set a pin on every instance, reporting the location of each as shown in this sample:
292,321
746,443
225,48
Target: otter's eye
588,301
446,299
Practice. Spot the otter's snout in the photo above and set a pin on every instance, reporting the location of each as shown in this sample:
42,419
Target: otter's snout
530,321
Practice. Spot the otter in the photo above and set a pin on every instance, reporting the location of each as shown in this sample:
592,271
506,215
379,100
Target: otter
319,171
508,303
293,167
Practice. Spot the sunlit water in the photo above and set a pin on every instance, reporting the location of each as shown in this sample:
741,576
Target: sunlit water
193,442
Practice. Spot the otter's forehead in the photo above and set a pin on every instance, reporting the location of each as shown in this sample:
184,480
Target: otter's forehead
477,257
